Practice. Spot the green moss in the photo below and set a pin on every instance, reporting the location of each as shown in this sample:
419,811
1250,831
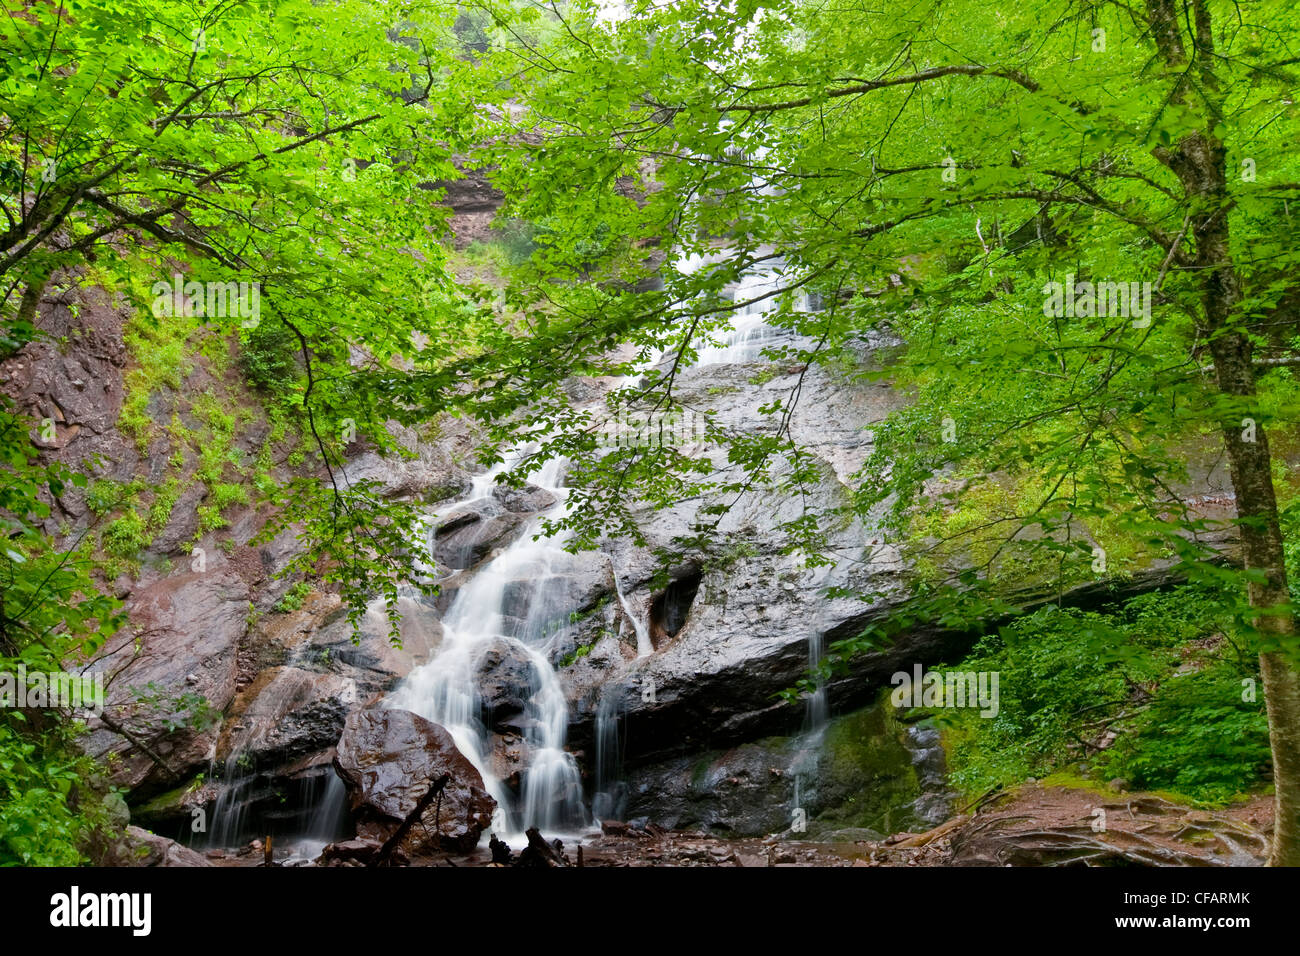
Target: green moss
700,772
866,775
171,802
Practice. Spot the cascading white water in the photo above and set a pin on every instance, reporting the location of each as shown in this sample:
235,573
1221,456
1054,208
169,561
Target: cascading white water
444,690
749,333
610,797
640,627
804,766
756,294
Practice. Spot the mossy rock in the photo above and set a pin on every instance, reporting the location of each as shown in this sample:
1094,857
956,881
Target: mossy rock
865,778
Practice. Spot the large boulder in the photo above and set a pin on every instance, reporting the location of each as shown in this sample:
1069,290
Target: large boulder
526,500
470,532
506,677
142,848
388,759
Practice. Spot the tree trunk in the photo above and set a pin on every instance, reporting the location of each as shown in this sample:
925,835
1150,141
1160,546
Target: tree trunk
1200,162
1261,544
1252,479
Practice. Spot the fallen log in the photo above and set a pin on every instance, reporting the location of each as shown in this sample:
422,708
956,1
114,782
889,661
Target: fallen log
929,836
435,790
539,853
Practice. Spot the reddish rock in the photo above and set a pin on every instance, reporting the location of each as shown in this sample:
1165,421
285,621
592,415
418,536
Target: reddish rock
159,851
388,759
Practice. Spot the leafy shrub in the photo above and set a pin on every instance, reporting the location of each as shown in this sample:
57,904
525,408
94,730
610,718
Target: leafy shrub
103,495
224,495
165,498
269,357
293,598
126,537
38,823
1158,663
210,519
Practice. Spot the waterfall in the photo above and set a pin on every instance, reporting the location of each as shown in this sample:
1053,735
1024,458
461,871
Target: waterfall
640,627
609,799
230,810
444,689
807,757
317,814
748,332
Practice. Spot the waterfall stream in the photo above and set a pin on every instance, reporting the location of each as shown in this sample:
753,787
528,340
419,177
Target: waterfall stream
444,689
516,598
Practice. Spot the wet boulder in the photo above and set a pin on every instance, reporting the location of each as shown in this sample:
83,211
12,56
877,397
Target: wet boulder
529,499
467,535
506,678
388,760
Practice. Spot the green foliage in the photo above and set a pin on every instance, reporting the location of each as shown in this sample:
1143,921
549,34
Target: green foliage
164,501
269,357
160,359
52,617
174,711
210,519
40,823
293,598
226,495
1158,671
293,148
126,536
104,495
160,161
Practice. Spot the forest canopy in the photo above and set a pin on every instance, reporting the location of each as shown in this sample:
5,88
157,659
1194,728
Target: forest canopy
1063,229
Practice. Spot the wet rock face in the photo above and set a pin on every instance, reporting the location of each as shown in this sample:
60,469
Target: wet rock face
373,663
733,627
472,531
188,628
388,759
668,612
287,714
857,774
526,500
505,677
426,472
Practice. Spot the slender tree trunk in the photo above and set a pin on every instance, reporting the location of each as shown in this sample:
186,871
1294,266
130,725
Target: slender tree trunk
1252,480
1261,543
1200,162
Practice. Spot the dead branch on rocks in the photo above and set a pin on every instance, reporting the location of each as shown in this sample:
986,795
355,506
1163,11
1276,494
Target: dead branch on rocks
435,790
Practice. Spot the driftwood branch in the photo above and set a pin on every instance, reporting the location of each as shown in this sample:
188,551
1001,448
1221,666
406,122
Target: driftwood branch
139,743
391,844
